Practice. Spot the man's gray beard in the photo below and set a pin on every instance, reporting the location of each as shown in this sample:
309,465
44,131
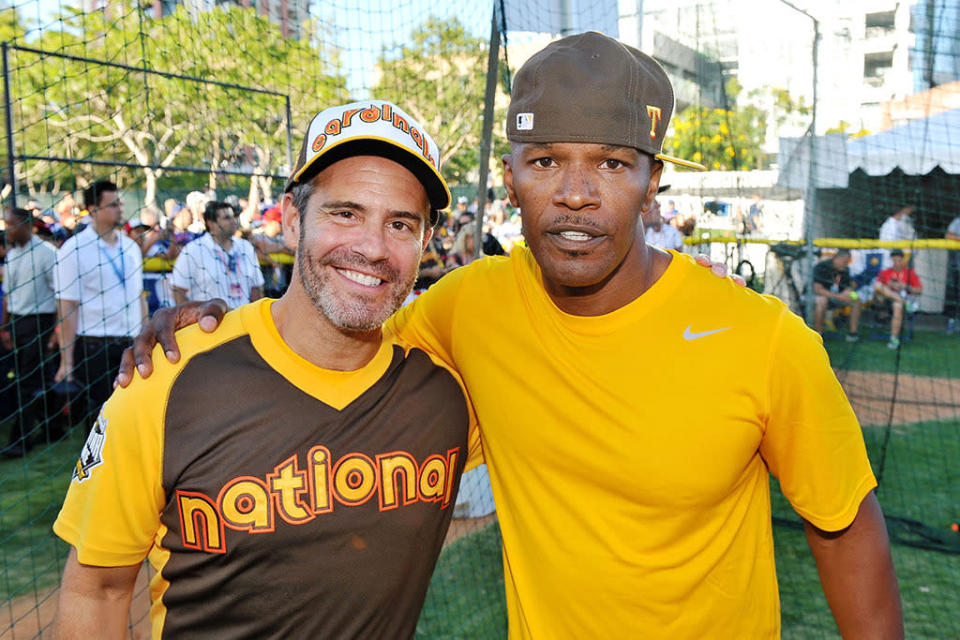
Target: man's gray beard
350,315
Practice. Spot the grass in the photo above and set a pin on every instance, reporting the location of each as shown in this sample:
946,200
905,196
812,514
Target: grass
928,353
31,491
466,597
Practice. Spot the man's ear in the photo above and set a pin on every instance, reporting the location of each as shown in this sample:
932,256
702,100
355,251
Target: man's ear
290,218
507,160
656,170
426,238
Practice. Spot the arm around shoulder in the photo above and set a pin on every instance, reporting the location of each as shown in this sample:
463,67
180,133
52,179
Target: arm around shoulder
857,575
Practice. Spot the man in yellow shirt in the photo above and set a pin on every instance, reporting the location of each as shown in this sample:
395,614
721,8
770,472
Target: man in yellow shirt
628,509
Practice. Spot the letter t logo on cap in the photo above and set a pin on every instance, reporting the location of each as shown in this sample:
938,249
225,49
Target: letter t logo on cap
655,114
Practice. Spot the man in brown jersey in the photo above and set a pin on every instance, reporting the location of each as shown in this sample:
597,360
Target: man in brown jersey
318,510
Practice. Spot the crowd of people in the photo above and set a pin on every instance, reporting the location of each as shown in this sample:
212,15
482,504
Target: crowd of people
75,290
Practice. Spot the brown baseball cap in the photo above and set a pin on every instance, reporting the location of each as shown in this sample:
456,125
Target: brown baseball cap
592,88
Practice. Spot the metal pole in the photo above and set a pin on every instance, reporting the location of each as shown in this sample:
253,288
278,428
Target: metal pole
8,117
810,200
810,197
566,18
289,135
493,60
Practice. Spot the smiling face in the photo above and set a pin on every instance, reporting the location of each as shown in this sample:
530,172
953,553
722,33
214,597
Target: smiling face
359,240
581,203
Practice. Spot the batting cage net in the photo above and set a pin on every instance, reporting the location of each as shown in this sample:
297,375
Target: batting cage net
833,182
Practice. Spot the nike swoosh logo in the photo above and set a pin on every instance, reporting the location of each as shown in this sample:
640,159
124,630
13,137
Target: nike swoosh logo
690,335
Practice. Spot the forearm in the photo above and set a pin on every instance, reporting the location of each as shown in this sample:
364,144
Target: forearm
179,295
67,316
857,575
94,602
144,308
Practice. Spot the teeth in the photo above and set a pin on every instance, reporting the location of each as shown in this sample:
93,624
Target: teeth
360,278
577,236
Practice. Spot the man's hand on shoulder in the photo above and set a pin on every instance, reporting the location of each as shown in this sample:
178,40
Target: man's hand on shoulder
161,329
718,269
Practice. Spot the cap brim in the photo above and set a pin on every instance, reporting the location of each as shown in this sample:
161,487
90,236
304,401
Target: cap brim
429,177
680,161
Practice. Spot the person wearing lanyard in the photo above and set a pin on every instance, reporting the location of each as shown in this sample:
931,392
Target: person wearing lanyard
218,265
100,303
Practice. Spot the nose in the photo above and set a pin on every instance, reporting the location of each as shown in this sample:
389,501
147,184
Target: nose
371,242
576,189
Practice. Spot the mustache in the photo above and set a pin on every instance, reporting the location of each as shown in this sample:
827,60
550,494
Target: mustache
576,220
346,259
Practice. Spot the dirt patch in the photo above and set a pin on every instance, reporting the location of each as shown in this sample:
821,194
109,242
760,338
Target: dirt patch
460,527
32,616
918,398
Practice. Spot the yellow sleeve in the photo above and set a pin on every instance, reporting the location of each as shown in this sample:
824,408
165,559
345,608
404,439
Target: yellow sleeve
813,442
427,322
112,510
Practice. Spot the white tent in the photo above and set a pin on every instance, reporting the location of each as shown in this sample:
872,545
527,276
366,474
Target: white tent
915,147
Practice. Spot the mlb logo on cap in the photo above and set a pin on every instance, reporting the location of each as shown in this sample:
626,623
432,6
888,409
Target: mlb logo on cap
524,122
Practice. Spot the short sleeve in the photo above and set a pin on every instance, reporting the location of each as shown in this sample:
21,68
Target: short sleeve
180,277
823,274
66,272
954,227
914,279
253,266
112,510
427,322
812,441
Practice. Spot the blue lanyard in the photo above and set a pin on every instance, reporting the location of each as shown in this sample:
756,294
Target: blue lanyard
113,265
230,264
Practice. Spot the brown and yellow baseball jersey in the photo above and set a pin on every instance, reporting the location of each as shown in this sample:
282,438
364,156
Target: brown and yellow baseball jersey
275,499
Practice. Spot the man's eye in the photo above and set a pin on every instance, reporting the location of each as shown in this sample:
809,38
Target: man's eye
343,214
399,225
612,163
543,163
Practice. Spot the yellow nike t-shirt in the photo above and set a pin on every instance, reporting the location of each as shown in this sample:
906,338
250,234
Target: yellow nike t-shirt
629,453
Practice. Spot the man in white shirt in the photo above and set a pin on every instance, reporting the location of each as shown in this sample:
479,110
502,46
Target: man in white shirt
99,289
217,264
658,234
898,227
28,317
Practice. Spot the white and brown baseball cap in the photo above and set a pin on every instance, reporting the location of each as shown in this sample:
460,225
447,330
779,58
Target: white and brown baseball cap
592,88
377,128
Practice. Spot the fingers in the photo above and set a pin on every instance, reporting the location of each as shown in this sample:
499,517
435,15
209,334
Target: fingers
211,314
703,260
125,374
143,349
719,270
739,280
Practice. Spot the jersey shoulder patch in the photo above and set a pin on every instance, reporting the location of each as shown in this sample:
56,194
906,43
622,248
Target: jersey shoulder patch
91,456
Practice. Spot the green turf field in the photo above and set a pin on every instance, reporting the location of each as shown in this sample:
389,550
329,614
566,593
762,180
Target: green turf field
466,596
927,353
31,491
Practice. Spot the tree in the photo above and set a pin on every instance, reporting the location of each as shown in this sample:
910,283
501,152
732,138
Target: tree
81,110
731,139
439,78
